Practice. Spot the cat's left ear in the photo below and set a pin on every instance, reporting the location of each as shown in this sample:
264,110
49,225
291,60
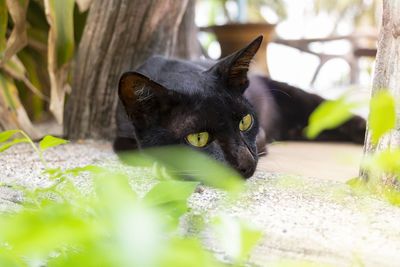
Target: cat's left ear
145,101
233,68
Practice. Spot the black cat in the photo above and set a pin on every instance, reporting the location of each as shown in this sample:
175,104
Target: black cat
218,110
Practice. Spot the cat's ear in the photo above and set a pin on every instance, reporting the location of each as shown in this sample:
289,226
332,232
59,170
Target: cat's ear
233,68
144,100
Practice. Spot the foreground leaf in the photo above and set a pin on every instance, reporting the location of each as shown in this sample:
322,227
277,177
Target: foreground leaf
329,115
8,259
89,168
382,116
171,197
236,238
386,161
4,136
187,252
136,230
170,191
13,142
113,189
250,237
50,141
41,232
187,163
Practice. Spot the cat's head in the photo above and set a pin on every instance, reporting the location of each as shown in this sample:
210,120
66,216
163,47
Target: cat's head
175,102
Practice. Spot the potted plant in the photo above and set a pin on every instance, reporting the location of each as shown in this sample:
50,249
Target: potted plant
244,27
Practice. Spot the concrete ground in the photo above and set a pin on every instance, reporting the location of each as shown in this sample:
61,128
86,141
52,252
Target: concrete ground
332,161
310,218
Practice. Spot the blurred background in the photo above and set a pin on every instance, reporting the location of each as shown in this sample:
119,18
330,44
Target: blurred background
323,46
319,45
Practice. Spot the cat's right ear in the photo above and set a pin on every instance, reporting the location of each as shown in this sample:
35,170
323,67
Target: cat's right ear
144,100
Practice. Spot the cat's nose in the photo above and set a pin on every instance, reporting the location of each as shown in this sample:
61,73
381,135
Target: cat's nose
247,172
246,162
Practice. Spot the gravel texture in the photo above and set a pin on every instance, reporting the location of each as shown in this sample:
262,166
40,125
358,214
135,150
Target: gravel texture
306,220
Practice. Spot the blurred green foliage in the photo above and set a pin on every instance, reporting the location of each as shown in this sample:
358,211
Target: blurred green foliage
332,113
382,116
383,166
329,115
113,226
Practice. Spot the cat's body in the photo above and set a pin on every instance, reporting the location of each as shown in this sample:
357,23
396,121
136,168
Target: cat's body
219,109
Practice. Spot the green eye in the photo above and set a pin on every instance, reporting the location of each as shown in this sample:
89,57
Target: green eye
246,122
198,139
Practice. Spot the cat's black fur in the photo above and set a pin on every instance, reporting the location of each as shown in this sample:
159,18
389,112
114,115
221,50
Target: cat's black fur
167,99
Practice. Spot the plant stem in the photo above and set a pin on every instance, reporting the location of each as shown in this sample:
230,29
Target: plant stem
36,149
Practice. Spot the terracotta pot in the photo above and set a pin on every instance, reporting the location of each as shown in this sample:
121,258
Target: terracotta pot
233,37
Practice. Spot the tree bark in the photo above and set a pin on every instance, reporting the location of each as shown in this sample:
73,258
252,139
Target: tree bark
387,74
187,44
119,35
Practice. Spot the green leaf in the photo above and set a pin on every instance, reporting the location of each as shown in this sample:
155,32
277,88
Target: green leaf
62,15
53,225
170,191
329,115
187,252
392,195
236,238
250,237
55,171
187,163
355,182
386,161
7,259
50,141
89,168
4,136
113,189
171,197
3,23
382,116
13,142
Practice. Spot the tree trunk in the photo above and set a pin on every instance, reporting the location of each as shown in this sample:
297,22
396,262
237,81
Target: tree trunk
119,35
187,44
387,74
